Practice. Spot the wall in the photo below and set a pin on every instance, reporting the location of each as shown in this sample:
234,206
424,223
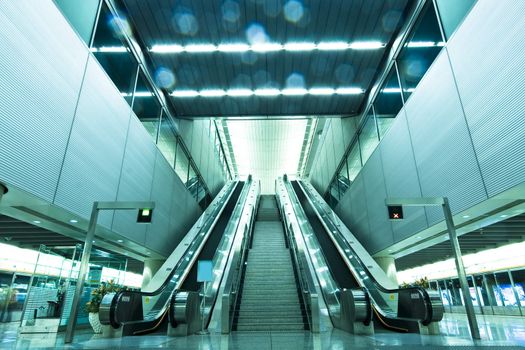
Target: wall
460,134
68,138
199,135
337,134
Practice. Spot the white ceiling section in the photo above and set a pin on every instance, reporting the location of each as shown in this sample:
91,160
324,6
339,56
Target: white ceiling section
267,149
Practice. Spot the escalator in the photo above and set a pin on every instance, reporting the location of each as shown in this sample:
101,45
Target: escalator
155,308
269,299
345,270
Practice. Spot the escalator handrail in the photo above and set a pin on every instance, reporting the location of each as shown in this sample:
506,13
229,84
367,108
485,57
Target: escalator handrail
420,290
306,278
211,220
238,256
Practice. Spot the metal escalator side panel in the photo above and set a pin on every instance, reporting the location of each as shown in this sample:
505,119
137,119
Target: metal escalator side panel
390,302
178,264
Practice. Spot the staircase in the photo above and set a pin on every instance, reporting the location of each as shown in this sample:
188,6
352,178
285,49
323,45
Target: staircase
269,299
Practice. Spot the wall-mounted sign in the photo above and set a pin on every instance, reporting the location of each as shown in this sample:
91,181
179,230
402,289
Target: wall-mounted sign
395,212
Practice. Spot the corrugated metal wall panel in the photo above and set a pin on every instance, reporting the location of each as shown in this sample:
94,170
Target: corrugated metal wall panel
135,180
493,93
445,158
91,173
401,177
358,218
162,192
41,68
381,234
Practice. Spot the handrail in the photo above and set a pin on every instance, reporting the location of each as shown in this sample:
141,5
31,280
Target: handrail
433,308
201,231
237,258
305,276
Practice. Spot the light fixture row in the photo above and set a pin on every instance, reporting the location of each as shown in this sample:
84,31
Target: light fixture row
268,47
320,91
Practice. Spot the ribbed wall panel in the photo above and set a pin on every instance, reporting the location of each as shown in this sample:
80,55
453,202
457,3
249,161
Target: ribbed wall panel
490,72
41,68
162,192
358,218
401,177
381,235
136,179
443,150
94,155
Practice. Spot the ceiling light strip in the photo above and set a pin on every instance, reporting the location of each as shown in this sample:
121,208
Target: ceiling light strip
267,92
269,47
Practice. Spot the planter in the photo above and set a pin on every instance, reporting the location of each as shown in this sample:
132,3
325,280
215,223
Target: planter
94,321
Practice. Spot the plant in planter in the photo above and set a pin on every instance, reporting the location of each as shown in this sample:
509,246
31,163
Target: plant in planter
93,305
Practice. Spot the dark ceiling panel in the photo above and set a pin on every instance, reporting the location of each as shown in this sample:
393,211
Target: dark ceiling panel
511,230
204,21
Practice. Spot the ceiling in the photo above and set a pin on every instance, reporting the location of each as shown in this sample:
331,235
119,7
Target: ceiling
511,230
31,236
191,22
267,149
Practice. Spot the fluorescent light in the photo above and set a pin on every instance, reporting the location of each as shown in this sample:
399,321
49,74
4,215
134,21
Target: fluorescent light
299,46
233,47
167,48
366,45
200,48
421,44
120,241
109,49
349,91
239,92
266,47
184,93
332,46
73,221
267,92
212,93
391,90
36,221
322,91
143,94
294,92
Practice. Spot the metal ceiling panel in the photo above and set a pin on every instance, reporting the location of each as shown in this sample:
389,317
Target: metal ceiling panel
214,22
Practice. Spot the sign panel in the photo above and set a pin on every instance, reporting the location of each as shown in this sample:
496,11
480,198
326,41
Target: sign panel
145,216
204,271
395,212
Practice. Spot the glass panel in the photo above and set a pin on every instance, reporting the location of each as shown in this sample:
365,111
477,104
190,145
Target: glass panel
452,13
181,165
344,183
481,291
113,54
368,138
519,284
354,162
167,141
507,292
146,106
455,292
493,290
422,47
193,180
388,102
81,15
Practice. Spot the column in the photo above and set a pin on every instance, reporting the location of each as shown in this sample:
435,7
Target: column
151,266
388,264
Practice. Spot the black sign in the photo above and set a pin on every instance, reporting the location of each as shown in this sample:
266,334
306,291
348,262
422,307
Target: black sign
395,212
145,215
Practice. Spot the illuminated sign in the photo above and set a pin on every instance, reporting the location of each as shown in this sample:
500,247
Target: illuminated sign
145,215
395,212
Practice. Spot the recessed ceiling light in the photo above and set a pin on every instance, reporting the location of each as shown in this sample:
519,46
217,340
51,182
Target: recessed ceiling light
299,46
212,93
239,47
503,216
349,91
185,93
366,45
322,91
73,221
466,216
332,46
418,236
267,92
37,221
266,47
120,241
93,241
294,92
239,92
200,48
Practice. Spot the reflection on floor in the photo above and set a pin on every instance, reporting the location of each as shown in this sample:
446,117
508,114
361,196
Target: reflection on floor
496,331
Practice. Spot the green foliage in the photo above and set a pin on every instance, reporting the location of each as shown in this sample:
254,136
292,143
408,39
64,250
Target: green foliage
422,282
93,305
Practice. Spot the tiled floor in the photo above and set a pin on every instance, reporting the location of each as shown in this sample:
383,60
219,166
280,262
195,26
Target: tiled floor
495,330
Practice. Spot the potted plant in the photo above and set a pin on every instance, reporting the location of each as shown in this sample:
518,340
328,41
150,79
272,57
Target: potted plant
93,305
